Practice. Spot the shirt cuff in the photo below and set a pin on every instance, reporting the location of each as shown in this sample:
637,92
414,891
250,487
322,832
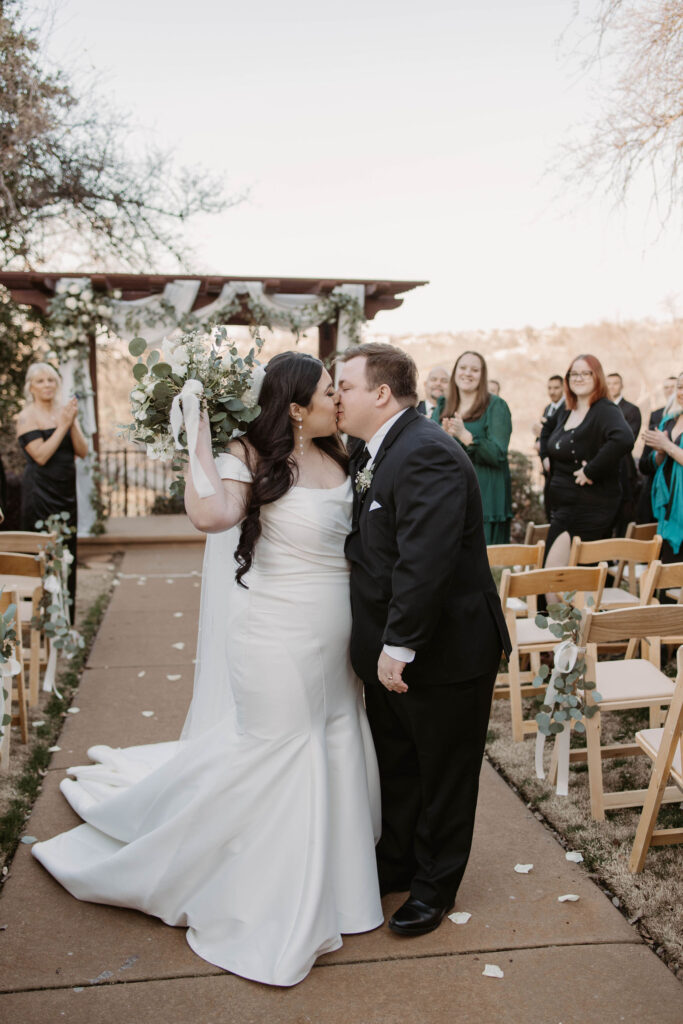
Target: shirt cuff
404,654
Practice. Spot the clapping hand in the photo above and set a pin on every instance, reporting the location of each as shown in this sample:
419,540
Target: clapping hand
67,414
657,439
581,478
455,426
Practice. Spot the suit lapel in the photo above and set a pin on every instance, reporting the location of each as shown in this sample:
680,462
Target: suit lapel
409,416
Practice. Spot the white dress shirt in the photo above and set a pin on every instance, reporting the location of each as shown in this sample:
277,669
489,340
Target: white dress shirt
373,446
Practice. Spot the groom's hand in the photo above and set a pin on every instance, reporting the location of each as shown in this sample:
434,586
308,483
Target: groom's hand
390,673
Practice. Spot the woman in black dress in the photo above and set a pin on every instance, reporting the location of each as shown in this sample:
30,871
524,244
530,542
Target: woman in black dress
666,447
51,438
581,446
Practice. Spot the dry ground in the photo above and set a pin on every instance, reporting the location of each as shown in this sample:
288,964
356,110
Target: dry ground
654,899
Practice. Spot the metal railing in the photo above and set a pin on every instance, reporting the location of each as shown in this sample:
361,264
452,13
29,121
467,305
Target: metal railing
131,482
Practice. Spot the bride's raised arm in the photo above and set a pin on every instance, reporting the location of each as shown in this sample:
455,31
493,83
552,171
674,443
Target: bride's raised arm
228,505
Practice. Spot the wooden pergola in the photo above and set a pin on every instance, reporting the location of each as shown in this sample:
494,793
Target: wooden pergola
36,288
32,288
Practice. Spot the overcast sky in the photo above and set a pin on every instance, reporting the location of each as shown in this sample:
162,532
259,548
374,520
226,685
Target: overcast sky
385,139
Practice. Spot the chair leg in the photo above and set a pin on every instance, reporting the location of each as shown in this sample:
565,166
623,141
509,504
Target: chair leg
34,669
653,800
516,698
595,767
5,709
23,703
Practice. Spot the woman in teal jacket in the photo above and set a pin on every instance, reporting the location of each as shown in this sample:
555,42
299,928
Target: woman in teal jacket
481,422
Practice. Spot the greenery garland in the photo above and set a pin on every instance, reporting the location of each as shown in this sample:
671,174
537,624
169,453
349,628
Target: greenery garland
567,703
53,613
8,638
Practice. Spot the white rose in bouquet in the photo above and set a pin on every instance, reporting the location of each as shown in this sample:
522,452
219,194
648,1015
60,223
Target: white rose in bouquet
176,355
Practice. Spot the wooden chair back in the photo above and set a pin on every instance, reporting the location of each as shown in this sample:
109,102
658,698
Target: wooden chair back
661,577
632,623
24,542
556,581
20,565
535,532
516,555
624,550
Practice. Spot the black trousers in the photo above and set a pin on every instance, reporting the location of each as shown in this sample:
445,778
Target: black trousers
430,743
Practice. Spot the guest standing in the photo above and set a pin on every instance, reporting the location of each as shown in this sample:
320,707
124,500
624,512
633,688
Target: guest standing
646,465
581,447
556,400
51,438
667,487
436,386
628,474
481,422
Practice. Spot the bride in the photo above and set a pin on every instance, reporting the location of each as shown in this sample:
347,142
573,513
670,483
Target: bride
256,830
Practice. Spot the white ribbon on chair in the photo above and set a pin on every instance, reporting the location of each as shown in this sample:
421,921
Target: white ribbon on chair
186,408
56,587
9,668
565,656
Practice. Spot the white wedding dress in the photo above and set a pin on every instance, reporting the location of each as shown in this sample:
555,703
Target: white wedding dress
256,830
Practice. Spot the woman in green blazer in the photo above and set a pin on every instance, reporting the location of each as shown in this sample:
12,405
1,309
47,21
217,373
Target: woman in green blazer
481,422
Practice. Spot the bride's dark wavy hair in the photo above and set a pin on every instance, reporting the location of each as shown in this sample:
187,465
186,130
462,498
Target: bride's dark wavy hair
290,377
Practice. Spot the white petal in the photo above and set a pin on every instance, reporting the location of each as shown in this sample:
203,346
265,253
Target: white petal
173,678
574,856
147,714
53,750
523,869
36,725
177,615
141,674
492,971
569,898
73,711
179,646
28,840
459,917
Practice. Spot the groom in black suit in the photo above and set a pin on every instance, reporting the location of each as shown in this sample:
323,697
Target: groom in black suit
428,628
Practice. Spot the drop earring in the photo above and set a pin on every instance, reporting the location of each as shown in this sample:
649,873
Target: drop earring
301,437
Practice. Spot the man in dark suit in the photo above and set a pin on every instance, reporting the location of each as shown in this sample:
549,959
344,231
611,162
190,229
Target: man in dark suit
428,628
628,476
556,396
436,387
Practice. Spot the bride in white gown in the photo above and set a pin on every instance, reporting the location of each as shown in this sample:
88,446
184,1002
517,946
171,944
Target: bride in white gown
256,830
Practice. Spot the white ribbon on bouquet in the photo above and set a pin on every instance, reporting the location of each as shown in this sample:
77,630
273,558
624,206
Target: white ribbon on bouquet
565,656
56,587
186,408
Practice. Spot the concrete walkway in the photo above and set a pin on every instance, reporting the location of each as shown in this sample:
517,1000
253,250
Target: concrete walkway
62,960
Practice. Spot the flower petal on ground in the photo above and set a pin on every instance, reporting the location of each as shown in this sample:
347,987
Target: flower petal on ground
574,856
523,869
569,898
459,917
492,971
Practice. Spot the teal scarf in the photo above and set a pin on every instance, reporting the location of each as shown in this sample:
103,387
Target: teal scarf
665,496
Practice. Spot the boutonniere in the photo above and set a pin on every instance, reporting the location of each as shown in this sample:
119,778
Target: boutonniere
363,480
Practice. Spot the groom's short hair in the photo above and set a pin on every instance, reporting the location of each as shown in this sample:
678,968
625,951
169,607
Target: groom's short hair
387,364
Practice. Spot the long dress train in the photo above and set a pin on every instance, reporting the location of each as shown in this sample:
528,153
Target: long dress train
256,830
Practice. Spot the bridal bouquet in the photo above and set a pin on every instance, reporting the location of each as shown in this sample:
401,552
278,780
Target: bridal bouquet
192,371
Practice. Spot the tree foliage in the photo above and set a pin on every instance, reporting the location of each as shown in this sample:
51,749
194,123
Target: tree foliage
637,47
66,179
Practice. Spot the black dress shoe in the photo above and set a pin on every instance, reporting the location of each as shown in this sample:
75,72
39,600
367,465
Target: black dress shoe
417,918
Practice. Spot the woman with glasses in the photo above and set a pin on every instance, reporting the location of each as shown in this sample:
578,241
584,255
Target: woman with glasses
581,446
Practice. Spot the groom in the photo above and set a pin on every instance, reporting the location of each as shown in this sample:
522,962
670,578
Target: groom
428,628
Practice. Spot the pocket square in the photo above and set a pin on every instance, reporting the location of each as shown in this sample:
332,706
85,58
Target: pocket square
374,505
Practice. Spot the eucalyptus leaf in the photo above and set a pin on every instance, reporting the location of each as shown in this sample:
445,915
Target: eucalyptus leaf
137,346
161,369
579,727
555,728
139,371
556,629
153,357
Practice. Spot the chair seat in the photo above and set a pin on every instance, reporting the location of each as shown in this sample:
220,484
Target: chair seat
615,597
674,593
630,680
515,604
24,585
529,633
640,570
650,740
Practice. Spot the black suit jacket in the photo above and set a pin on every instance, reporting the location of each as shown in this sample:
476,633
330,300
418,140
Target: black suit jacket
420,576
632,415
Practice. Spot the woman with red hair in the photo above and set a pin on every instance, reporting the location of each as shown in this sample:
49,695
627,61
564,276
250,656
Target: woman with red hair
581,446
